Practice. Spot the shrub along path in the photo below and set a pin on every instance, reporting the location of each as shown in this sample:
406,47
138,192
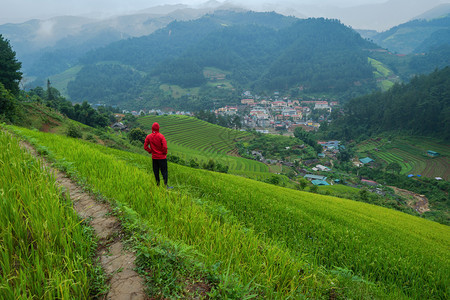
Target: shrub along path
117,263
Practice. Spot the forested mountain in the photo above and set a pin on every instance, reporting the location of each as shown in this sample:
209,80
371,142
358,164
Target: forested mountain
415,36
49,46
263,51
421,107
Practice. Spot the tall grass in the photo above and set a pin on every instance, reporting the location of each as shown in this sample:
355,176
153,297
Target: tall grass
44,251
286,243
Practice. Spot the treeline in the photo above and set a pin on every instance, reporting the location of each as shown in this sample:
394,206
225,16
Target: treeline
108,83
83,113
421,107
278,147
229,121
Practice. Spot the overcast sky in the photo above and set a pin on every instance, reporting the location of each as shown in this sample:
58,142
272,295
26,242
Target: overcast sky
18,11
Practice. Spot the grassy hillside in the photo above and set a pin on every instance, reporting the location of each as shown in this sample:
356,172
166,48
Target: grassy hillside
274,242
191,138
384,76
196,134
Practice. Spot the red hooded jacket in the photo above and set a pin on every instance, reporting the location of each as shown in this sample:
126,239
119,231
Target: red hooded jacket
157,143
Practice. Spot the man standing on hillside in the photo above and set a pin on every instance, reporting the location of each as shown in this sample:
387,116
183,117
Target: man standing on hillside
158,150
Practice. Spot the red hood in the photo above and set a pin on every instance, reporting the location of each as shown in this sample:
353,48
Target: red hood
155,127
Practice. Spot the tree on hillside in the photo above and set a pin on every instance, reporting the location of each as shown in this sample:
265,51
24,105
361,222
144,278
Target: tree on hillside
137,134
10,74
8,104
308,138
394,167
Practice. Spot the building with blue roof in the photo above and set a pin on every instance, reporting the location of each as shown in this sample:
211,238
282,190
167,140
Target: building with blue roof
319,182
366,160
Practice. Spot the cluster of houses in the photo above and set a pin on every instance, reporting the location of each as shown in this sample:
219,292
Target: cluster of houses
282,114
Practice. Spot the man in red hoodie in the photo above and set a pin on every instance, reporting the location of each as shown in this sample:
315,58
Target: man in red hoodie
158,150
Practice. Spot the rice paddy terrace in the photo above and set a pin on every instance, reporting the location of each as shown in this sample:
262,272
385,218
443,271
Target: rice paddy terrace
411,154
196,134
191,138
265,240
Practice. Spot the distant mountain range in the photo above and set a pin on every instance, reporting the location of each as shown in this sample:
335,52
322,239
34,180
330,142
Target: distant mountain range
134,56
265,52
419,35
37,40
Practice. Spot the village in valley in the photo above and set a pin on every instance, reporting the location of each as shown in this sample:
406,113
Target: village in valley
281,116
267,114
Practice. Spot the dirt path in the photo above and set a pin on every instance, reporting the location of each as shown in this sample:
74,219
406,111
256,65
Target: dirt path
117,263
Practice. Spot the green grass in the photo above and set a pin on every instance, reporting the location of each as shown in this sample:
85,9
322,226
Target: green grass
382,74
45,253
60,81
281,242
382,70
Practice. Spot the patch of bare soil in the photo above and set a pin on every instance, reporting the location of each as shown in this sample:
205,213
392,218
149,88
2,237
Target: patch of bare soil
418,202
117,262
45,127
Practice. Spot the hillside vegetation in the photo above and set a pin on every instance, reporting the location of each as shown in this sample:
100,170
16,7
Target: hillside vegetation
415,36
45,251
275,241
261,51
421,107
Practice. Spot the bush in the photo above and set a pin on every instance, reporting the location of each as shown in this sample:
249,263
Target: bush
193,163
74,131
137,134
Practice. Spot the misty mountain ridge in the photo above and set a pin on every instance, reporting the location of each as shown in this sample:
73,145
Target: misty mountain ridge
415,36
35,40
259,51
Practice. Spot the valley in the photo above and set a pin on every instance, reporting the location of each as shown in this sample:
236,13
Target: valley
306,159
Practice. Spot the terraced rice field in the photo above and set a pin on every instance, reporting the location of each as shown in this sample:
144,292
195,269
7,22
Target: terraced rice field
190,138
195,134
410,154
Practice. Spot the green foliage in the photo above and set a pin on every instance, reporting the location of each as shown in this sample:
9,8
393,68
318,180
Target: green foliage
394,167
230,121
10,74
83,113
195,133
280,53
308,138
137,134
104,83
420,107
9,107
74,131
182,72
417,36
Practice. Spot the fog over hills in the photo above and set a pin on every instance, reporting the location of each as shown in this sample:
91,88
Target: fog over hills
377,15
84,31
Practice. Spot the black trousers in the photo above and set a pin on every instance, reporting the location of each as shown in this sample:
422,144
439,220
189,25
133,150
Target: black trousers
160,164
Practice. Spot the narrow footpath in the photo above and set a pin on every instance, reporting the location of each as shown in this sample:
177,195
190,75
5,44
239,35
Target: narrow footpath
117,263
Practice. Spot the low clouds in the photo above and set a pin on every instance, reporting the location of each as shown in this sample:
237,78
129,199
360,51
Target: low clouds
22,10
